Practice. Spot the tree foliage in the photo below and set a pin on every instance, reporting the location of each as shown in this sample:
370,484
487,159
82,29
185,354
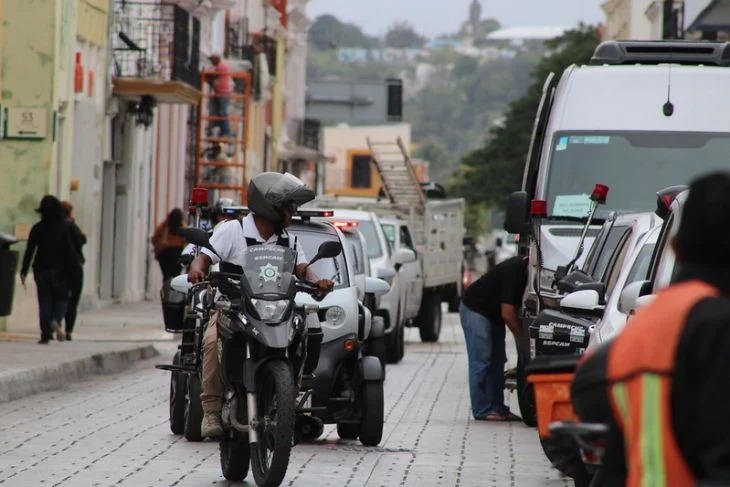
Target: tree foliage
402,35
489,173
459,104
327,32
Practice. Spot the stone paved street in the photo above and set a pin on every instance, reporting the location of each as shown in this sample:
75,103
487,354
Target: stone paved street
113,430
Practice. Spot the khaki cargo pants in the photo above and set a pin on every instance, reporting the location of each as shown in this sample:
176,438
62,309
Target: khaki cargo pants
211,396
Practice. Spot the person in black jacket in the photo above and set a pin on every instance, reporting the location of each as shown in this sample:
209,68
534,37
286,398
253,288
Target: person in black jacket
76,270
51,251
488,305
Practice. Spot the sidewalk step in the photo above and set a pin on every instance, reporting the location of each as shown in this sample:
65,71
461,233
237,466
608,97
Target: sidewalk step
29,368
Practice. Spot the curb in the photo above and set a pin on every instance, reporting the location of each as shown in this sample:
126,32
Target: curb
47,378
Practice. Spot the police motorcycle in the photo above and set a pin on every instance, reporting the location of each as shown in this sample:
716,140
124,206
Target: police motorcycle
268,346
183,314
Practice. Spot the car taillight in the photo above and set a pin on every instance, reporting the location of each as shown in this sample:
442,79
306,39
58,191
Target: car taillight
345,224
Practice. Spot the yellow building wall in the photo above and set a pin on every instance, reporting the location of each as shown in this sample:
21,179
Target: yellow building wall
28,46
341,143
92,21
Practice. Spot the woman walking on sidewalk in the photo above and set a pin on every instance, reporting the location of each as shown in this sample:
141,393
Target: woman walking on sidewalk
51,251
168,245
76,271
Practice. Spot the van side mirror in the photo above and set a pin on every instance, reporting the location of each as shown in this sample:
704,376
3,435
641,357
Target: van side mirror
385,273
404,256
516,218
376,286
628,300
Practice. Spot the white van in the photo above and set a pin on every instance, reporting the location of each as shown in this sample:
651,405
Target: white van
643,116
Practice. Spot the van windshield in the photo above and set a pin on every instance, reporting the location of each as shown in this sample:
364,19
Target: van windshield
634,165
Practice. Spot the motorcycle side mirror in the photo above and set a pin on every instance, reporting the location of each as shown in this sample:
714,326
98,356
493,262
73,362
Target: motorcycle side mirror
196,236
327,250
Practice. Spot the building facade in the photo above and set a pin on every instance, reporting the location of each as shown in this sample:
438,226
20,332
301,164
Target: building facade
116,90
643,19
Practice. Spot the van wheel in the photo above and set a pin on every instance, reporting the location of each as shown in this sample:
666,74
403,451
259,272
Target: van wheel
429,317
525,395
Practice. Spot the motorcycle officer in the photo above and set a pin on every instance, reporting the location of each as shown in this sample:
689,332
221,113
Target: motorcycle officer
273,199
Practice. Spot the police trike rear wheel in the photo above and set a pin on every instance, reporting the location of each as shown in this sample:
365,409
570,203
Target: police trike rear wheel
177,399
235,456
193,409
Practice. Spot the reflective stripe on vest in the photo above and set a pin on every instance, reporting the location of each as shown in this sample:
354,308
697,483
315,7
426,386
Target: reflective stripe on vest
640,368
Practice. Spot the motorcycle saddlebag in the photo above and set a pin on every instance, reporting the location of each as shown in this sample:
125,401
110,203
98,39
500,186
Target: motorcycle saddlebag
556,333
173,308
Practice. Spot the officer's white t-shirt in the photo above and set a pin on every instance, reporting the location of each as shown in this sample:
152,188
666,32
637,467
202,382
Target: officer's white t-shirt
229,240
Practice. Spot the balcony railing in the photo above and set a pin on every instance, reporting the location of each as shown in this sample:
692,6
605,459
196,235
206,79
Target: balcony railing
156,41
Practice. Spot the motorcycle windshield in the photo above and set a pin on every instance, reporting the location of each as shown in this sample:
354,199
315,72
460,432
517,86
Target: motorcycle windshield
269,271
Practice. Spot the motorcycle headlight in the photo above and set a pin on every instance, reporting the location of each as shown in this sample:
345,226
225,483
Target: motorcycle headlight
334,315
270,310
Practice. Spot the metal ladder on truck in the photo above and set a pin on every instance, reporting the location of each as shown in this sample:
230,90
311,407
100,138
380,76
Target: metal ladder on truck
224,174
399,181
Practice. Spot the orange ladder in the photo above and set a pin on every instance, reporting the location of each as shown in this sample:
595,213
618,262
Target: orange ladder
220,163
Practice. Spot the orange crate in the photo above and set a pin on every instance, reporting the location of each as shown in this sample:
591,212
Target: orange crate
552,400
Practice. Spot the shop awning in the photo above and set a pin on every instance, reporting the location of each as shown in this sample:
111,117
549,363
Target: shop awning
165,92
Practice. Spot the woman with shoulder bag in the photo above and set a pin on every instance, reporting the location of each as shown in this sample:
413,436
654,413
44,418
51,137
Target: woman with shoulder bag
168,245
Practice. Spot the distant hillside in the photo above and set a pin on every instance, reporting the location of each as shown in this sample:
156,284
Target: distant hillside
456,87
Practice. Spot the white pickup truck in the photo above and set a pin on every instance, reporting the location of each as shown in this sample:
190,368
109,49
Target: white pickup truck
435,232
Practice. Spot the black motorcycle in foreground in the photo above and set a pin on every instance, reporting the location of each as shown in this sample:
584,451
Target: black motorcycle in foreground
268,349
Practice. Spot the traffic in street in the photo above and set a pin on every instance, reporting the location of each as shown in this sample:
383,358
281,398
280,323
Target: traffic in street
113,430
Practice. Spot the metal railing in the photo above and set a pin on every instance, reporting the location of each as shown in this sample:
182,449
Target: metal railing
156,40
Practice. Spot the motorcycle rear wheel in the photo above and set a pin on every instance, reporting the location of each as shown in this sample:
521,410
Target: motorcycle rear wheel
235,455
275,417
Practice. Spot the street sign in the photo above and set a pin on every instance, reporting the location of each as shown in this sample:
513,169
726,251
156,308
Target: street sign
26,123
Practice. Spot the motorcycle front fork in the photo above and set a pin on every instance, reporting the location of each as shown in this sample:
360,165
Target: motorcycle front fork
252,411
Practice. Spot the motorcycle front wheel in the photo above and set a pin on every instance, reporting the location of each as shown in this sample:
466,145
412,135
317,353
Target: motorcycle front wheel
275,423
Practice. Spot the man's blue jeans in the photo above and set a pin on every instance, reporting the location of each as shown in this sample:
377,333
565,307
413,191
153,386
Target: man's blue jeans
487,356
219,108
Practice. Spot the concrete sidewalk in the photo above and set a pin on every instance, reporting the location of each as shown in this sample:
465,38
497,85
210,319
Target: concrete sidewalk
104,341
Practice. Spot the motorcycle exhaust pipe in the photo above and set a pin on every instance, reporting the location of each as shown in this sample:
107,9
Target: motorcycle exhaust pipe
237,425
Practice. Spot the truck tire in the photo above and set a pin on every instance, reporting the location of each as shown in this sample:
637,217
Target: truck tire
429,317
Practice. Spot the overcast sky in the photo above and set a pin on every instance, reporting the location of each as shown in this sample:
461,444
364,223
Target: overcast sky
434,17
